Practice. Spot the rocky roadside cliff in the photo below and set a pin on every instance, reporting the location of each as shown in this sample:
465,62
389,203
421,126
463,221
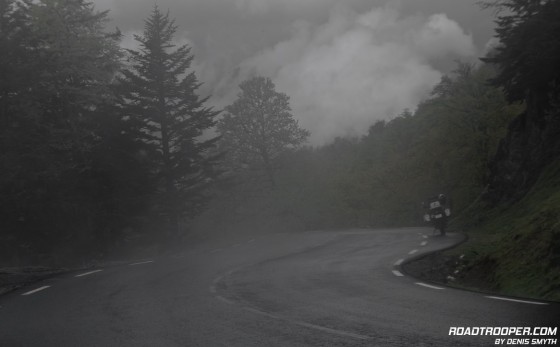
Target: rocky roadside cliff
532,142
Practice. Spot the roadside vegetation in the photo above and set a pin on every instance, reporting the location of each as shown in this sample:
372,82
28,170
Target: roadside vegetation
514,228
515,250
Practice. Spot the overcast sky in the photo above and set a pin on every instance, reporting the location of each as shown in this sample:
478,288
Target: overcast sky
344,64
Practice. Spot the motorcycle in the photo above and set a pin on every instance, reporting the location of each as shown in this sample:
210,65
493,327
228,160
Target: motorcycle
437,213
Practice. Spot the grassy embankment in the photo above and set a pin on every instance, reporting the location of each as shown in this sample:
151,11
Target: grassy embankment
515,250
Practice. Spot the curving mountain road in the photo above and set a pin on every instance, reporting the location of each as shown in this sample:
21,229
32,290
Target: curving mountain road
312,289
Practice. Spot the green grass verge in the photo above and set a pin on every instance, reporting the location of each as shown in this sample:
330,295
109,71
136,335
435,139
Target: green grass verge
516,250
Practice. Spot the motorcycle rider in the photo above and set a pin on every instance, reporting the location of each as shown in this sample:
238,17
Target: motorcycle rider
437,211
442,199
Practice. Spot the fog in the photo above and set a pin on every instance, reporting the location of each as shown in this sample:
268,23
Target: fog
357,68
344,64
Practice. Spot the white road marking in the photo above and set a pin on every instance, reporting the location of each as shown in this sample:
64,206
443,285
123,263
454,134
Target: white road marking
397,273
332,331
413,251
227,301
516,300
230,272
427,285
142,262
296,322
36,290
399,262
424,243
88,273
254,310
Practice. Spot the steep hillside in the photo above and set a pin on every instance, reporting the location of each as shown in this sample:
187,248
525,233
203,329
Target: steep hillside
532,142
516,250
514,229
515,226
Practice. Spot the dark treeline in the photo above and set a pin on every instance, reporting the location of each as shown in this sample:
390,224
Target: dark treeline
100,146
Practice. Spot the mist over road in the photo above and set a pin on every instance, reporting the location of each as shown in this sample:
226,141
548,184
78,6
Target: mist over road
340,288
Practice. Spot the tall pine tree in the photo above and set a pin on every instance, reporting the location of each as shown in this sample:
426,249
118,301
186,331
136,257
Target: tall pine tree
162,107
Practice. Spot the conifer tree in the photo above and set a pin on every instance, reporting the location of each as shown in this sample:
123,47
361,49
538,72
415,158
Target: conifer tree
162,107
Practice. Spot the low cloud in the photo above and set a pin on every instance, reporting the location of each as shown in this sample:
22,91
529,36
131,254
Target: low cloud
355,69
343,63
259,7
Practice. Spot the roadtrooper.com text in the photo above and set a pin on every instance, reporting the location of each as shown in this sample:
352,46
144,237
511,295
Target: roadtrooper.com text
511,332
503,331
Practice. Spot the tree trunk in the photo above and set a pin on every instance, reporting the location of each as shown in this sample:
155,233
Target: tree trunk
268,168
171,202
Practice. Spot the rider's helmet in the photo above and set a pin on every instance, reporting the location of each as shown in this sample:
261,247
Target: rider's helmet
441,197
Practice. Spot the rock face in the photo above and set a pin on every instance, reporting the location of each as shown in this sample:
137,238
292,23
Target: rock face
532,142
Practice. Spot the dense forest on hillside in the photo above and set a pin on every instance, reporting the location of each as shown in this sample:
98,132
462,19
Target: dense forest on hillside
514,227
107,150
380,179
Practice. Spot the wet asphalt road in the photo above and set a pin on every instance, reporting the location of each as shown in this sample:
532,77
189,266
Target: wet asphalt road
311,289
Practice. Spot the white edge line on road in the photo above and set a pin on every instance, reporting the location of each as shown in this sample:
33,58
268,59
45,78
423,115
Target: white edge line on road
35,290
227,301
262,313
423,243
413,251
397,273
399,262
332,331
300,323
516,300
142,262
427,285
232,271
88,273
